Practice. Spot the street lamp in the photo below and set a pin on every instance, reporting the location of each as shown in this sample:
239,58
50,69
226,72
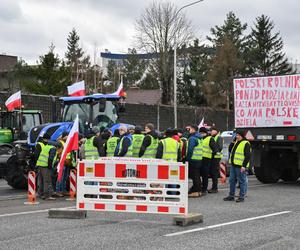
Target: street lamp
175,63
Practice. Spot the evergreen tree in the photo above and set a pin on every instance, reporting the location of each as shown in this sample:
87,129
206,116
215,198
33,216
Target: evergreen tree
50,76
74,55
196,66
134,69
232,29
266,56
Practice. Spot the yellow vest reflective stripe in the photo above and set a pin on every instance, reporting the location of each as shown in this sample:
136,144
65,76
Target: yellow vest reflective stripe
197,151
170,149
44,155
69,154
219,154
129,151
90,151
239,155
207,152
151,150
137,141
111,146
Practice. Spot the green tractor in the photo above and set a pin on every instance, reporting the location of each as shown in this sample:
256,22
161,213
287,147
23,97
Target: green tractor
14,127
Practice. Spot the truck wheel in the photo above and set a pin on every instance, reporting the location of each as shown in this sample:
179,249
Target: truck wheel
270,170
15,176
290,174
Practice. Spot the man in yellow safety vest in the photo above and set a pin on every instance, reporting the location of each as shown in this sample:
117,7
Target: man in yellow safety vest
194,158
210,149
240,162
125,143
137,141
44,155
150,142
168,148
215,165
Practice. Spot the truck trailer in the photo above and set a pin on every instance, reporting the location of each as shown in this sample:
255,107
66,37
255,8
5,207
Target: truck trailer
267,108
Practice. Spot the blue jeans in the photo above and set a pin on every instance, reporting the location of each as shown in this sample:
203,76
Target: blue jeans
62,185
241,177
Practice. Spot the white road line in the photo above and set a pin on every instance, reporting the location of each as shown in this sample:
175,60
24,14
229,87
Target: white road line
226,224
31,212
259,185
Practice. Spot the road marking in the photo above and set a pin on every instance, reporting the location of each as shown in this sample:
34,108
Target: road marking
31,212
260,185
227,223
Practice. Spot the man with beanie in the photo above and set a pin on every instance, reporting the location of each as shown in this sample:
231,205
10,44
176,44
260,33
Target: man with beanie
44,155
215,165
125,144
240,161
137,141
210,149
194,158
150,142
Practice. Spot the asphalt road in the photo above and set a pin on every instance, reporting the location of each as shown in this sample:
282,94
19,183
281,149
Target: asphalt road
268,219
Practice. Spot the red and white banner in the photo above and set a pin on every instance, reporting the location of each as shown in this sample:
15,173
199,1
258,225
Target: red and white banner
14,101
120,91
70,145
271,101
77,89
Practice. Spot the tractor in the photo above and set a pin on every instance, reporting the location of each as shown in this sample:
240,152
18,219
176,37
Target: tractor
14,128
93,110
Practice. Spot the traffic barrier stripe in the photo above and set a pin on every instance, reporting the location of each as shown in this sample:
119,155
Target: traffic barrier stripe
132,186
131,208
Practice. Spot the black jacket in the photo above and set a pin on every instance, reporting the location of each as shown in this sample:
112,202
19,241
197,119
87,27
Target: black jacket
147,142
125,145
247,153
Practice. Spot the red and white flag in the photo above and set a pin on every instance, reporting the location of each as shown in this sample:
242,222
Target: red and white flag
120,91
70,145
201,124
14,101
77,89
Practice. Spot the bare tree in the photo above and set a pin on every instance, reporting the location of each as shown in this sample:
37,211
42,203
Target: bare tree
156,31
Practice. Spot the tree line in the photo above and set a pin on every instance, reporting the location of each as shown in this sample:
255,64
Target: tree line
205,70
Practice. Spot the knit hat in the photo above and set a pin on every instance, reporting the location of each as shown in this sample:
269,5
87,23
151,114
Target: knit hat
203,130
241,132
64,134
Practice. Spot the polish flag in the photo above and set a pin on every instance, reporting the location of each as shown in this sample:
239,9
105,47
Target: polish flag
120,91
77,89
70,145
201,124
14,101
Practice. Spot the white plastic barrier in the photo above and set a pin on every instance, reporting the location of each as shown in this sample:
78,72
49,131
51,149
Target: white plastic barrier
132,185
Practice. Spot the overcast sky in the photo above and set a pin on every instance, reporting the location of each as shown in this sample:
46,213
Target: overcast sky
27,27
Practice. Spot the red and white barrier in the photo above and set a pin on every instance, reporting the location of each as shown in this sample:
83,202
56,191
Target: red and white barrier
130,185
72,185
223,172
31,189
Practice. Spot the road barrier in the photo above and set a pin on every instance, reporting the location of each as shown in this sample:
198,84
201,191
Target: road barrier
223,172
31,189
72,185
132,185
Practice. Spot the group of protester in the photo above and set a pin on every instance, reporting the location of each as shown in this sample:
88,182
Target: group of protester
201,148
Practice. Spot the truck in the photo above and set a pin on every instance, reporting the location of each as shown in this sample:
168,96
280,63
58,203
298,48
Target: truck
267,109
93,110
